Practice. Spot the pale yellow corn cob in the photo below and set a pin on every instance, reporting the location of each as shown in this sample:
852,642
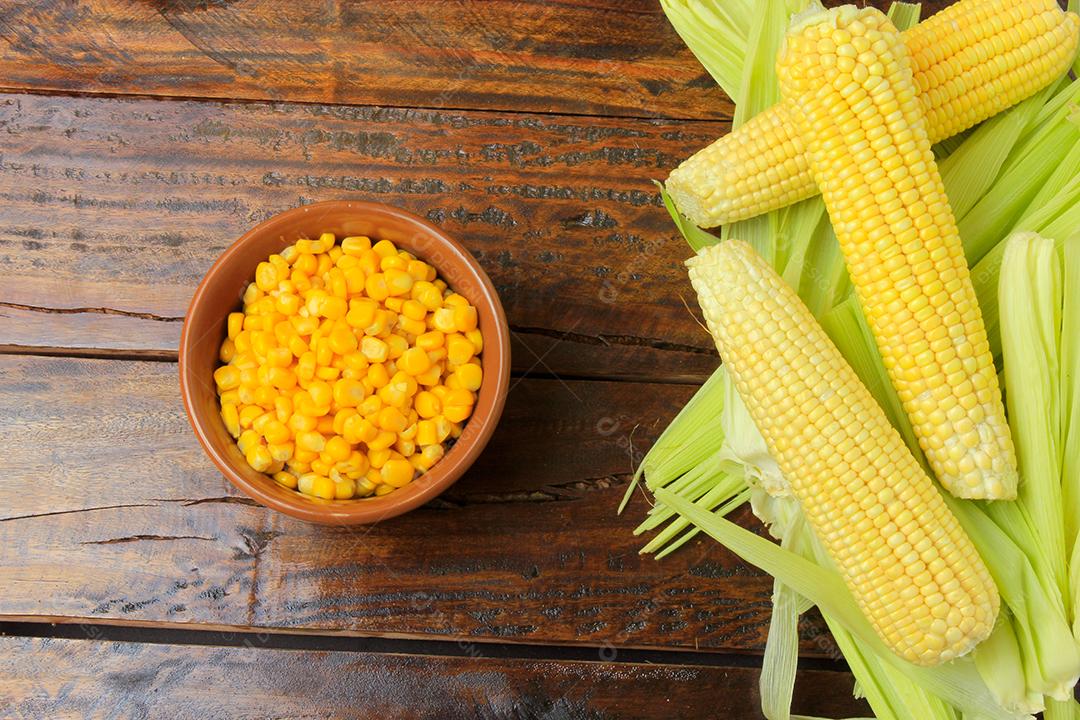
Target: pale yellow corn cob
847,76
971,61
913,570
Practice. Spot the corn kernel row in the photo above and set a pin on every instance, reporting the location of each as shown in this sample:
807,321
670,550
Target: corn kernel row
350,368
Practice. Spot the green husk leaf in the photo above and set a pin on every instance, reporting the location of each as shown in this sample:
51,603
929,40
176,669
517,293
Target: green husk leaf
695,237
716,31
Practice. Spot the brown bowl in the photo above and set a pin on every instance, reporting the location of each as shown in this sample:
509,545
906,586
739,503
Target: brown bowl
220,293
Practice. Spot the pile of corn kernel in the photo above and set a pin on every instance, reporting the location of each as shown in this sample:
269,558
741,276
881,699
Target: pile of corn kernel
349,369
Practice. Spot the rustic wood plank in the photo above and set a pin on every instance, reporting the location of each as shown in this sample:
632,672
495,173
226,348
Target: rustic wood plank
110,512
85,678
115,208
605,57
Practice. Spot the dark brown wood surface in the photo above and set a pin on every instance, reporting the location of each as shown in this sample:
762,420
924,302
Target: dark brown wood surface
598,57
60,678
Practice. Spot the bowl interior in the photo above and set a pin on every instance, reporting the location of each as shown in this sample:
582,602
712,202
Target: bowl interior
220,293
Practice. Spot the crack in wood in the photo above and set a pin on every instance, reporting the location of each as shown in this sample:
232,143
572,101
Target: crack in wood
554,492
140,538
97,310
76,510
609,340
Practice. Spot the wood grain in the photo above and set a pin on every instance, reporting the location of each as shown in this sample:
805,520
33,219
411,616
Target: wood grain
121,680
110,512
601,57
115,208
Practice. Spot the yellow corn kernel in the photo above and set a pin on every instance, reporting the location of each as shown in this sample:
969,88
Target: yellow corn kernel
398,282
279,357
376,287
397,473
305,264
320,466
275,431
361,313
399,390
374,349
358,429
323,487
459,350
235,324
465,318
382,441
281,452
391,419
393,262
323,266
248,415
443,320
383,489
227,377
355,280
419,269
469,376
344,489
378,457
432,376
311,441
384,248
259,424
405,446
396,346
247,440
266,276
227,351
283,407
380,325
427,405
286,479
342,341
431,340
305,483
258,457
325,425
299,423
414,361
410,326
394,303
427,295
320,393
338,448
355,245
334,307
231,417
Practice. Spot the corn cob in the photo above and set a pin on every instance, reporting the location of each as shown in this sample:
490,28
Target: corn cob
846,73
971,61
912,569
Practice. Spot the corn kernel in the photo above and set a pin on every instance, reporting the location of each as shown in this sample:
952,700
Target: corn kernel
227,377
227,351
393,262
302,423
374,349
443,320
320,466
465,318
355,245
410,326
258,457
459,350
338,448
414,361
391,419
323,487
281,452
311,440
469,376
286,479
398,282
397,473
381,441
378,458
427,405
325,425
344,489
377,287
384,248
231,417
361,313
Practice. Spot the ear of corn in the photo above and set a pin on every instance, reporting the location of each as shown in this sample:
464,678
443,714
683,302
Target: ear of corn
913,571
847,75
970,61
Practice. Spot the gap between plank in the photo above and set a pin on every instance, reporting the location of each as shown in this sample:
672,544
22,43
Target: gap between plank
277,640
723,121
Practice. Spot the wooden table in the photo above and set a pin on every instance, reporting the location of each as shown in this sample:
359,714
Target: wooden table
137,141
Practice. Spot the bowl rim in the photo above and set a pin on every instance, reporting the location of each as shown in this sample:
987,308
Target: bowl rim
445,472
